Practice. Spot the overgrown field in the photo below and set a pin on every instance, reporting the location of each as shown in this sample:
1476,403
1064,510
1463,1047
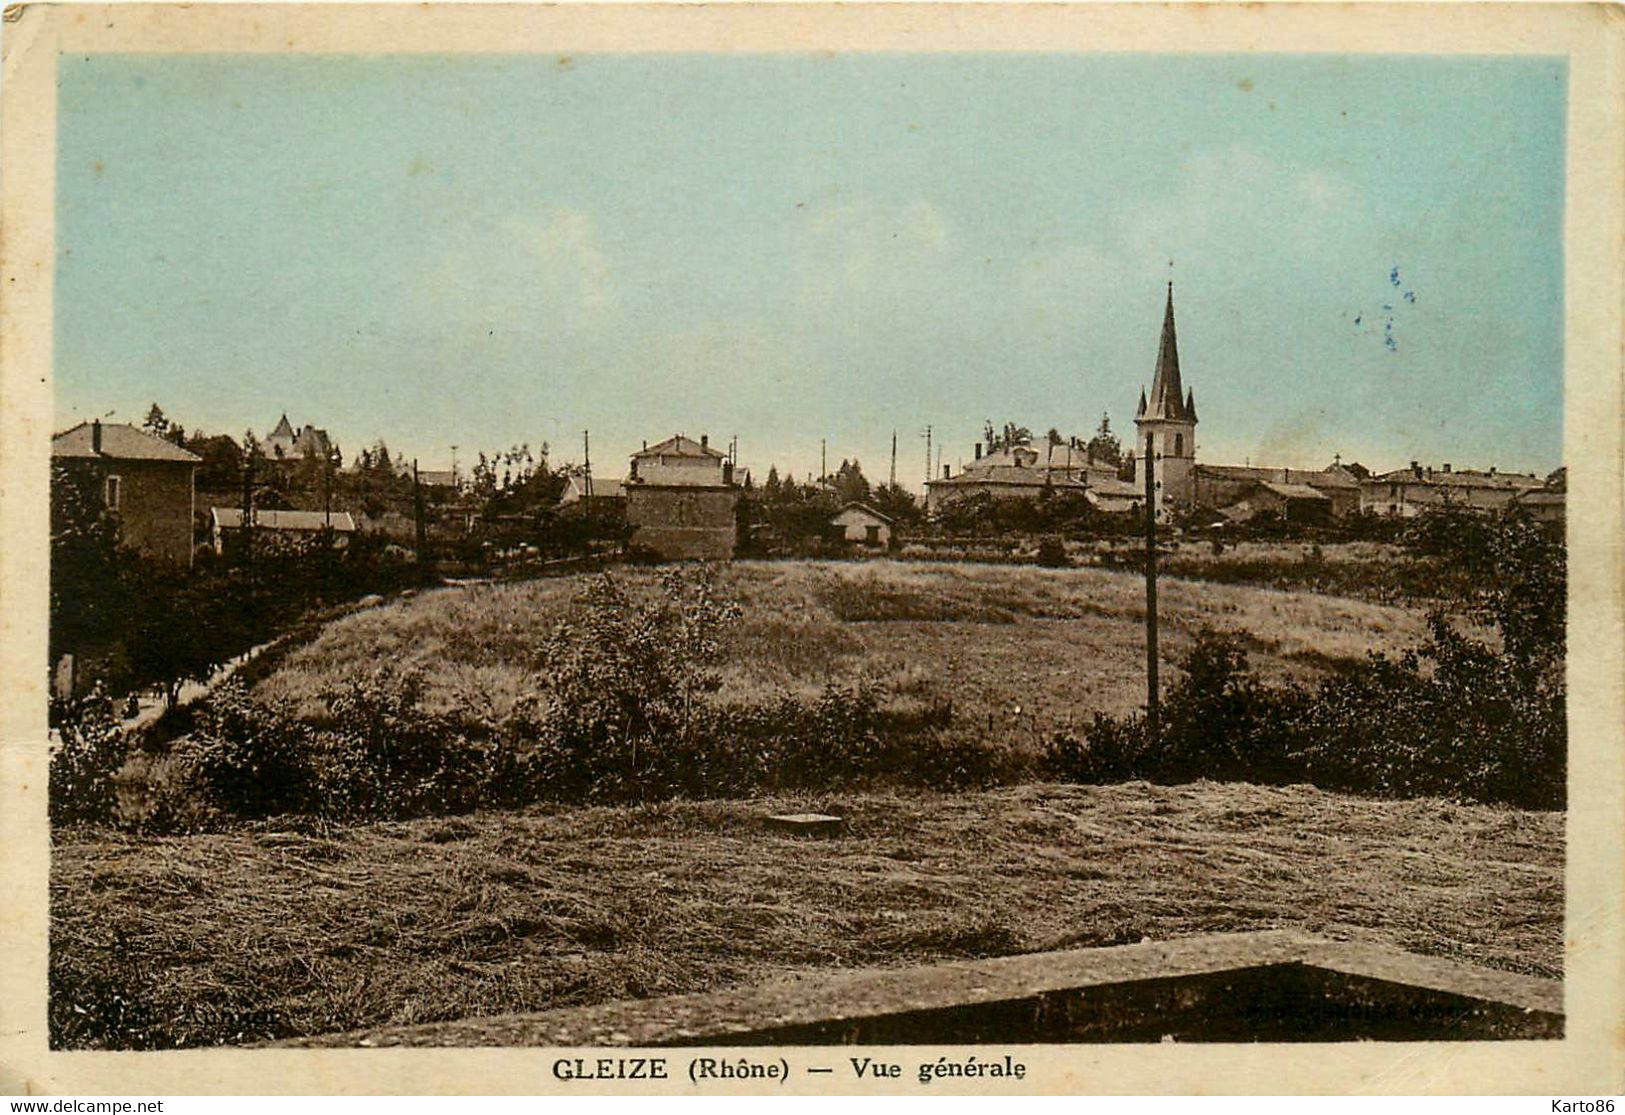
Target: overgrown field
1021,652
277,930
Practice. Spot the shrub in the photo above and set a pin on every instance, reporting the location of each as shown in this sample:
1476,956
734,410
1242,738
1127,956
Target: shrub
1052,553
249,758
1453,718
1109,750
89,751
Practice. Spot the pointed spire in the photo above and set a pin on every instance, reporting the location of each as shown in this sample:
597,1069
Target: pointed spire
1190,405
283,428
1140,413
1166,390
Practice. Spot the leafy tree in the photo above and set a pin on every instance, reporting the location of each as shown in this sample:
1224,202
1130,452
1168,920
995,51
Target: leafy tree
1009,437
897,503
1104,446
222,460
90,599
850,484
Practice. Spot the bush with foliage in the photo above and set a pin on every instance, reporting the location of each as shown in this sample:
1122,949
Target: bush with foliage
87,755
1453,717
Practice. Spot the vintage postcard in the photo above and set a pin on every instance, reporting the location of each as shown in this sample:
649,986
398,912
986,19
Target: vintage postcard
894,549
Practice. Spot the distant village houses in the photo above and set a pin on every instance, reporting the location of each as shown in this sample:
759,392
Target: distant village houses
1166,418
681,501
146,481
1412,491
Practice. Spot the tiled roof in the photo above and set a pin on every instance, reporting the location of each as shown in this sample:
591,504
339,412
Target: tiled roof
1013,476
230,518
120,442
679,446
1325,478
1540,497
865,509
1465,478
575,488
1293,491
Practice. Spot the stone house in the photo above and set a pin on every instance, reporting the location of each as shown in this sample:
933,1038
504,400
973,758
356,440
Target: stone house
1413,491
582,489
1296,503
861,524
1219,486
146,481
682,502
284,443
1018,472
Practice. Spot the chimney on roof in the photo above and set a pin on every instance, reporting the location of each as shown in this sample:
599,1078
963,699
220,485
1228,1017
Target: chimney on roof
1446,468
1416,469
945,471
645,443
705,441
96,435
978,451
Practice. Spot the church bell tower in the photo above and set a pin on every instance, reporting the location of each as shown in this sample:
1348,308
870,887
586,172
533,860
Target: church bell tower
1168,420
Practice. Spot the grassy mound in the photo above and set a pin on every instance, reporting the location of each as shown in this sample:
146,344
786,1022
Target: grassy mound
1020,652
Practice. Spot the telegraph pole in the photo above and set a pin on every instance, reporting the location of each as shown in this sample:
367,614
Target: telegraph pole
417,513
248,507
823,462
893,483
928,454
586,466
1151,711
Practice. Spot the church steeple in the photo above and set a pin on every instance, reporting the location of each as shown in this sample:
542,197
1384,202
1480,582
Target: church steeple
1166,442
1167,393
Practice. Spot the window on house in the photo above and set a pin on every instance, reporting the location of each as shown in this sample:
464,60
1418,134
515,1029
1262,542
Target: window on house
871,535
1179,445
112,494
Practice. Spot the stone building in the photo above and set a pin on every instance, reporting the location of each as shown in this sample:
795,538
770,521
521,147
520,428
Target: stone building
1019,472
284,443
861,524
146,481
682,502
1220,486
1408,492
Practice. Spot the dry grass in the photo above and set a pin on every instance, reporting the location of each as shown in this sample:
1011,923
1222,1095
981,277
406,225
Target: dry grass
268,933
1020,651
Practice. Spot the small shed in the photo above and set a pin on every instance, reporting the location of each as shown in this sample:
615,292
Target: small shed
293,525
862,524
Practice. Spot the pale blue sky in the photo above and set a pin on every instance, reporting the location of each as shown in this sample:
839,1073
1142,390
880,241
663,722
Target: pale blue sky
485,250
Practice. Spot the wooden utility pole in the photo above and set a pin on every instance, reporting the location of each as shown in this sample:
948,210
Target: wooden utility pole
928,454
586,467
417,513
248,507
1151,711
823,462
893,481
